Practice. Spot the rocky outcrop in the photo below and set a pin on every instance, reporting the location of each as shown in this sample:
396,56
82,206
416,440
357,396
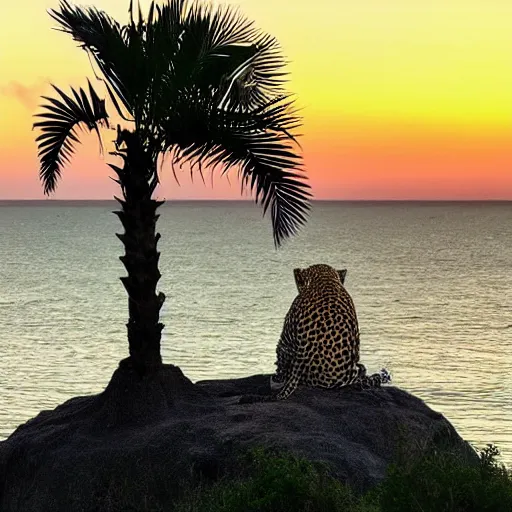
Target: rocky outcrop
145,440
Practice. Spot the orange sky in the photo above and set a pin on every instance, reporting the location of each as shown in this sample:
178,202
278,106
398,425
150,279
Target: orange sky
403,99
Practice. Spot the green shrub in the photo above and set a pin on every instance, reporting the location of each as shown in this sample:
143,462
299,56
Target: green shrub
267,482
277,483
437,482
445,483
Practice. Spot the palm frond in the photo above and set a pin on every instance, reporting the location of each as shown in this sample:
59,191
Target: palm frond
107,43
60,118
245,58
180,46
213,52
214,43
259,144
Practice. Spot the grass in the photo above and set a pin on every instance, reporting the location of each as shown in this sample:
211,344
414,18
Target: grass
443,483
276,483
432,483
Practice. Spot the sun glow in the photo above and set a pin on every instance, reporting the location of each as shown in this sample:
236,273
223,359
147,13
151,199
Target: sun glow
400,99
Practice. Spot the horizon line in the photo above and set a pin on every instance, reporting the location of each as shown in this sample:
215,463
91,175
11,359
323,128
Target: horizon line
320,200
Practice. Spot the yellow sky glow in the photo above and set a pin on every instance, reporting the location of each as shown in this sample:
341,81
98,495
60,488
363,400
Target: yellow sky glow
425,87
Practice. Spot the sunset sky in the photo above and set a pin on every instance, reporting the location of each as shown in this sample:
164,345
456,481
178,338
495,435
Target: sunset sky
402,99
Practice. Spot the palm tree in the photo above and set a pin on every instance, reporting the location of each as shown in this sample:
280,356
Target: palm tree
198,84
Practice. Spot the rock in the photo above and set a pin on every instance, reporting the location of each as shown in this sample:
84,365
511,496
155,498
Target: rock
141,440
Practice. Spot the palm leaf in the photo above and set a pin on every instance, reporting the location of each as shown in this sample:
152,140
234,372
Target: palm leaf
231,47
194,49
60,118
180,46
258,144
108,43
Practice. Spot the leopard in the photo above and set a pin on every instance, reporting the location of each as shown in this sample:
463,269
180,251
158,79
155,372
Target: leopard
319,342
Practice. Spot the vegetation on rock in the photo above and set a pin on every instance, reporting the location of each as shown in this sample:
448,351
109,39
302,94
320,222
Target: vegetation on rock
439,482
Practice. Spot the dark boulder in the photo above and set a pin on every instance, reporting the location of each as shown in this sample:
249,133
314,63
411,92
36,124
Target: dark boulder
140,442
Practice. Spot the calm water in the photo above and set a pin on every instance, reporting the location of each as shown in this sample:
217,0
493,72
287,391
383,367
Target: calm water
432,284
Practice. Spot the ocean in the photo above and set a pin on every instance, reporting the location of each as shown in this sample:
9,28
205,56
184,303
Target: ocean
431,282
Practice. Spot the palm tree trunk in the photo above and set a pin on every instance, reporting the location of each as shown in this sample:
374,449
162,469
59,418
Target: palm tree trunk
138,216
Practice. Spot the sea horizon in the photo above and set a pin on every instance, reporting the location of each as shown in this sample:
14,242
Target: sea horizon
40,202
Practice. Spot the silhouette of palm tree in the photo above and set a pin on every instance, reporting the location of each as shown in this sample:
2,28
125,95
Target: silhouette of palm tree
200,84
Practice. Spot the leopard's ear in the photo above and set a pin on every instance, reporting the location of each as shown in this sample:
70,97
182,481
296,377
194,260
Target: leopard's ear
343,275
300,278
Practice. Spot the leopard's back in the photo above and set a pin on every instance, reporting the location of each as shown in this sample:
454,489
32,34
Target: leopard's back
320,334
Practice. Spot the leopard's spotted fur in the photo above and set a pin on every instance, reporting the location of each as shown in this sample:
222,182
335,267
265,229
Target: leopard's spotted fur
319,344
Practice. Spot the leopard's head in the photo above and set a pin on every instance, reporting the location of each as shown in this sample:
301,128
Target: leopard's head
318,275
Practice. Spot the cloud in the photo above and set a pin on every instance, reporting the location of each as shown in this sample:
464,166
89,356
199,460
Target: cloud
27,95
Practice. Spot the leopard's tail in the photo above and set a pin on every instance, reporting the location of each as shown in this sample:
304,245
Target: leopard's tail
373,381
